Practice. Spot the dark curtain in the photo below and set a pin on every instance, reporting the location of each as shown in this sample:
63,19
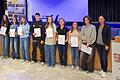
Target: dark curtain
1,9
110,9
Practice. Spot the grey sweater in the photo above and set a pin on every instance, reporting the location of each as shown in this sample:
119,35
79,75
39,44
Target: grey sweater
88,34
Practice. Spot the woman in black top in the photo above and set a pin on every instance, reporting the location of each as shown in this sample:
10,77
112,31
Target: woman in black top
5,26
62,42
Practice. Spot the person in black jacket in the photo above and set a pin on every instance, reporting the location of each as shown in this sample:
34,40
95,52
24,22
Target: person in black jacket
103,41
5,26
38,40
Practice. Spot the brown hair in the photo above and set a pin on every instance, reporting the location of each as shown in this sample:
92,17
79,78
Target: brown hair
16,22
47,24
5,22
23,22
73,28
89,18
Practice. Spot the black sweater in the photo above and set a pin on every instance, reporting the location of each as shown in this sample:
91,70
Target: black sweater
40,25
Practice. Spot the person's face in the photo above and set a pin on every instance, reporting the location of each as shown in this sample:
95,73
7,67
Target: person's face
37,17
75,25
4,17
87,21
49,19
22,19
61,22
14,20
101,19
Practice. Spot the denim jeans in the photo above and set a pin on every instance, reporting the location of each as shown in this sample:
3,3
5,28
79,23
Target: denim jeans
5,45
24,48
103,54
75,56
62,54
50,54
14,47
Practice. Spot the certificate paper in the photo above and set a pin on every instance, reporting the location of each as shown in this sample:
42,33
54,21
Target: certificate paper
3,30
12,32
20,31
61,39
74,41
49,33
86,49
38,32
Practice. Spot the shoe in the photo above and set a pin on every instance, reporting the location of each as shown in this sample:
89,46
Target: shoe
100,72
60,66
42,63
63,67
72,67
15,59
77,68
32,62
103,75
27,61
22,60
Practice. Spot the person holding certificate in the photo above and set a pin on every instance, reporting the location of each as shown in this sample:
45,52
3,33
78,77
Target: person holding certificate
88,39
14,38
103,42
5,26
75,44
37,31
62,37
50,42
24,39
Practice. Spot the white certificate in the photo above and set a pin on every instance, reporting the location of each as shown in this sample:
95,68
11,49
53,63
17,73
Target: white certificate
49,32
74,41
38,32
61,39
3,30
12,32
20,31
86,49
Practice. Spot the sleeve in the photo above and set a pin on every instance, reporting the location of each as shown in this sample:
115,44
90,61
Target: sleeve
69,37
27,29
43,33
109,35
80,39
93,35
31,28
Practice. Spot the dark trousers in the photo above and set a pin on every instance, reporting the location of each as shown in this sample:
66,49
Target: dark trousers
103,54
87,63
62,54
42,53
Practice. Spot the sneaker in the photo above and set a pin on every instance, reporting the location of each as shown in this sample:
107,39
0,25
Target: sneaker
103,75
22,60
27,61
63,67
42,63
32,62
15,59
72,67
100,72
60,66
77,68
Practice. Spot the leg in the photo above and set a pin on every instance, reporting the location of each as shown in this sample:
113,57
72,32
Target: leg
34,54
16,47
6,45
26,46
65,55
52,52
77,56
73,56
22,48
60,54
3,46
12,47
42,53
47,55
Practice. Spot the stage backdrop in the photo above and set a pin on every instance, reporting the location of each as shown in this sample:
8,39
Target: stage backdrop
70,10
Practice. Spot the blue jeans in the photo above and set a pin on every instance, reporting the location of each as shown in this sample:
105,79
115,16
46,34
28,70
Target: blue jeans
14,47
5,45
75,56
62,54
24,48
50,54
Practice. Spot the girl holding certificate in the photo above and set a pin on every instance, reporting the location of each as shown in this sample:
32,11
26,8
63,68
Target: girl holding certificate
5,26
23,31
14,39
75,43
62,32
50,42
88,38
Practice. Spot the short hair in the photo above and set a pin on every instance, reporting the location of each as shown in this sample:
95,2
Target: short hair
37,14
89,18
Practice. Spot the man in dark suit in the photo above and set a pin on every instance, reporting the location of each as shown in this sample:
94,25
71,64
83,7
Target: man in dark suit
103,41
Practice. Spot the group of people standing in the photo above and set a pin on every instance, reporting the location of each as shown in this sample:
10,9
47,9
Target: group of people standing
98,37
